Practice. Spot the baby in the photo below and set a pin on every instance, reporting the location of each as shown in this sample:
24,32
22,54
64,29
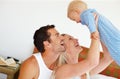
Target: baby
109,35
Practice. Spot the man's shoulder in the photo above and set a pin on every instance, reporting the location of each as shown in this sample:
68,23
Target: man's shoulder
31,61
29,68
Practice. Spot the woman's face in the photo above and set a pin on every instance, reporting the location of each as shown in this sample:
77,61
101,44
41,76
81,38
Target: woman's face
71,44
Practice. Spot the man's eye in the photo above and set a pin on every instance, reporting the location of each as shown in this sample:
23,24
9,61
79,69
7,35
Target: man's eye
57,35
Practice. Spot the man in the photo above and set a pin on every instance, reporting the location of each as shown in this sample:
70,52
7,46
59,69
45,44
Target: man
50,45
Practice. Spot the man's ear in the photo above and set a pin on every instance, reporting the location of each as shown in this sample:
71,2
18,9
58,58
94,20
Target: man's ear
46,43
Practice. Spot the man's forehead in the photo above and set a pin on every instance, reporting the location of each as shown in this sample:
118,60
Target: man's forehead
53,31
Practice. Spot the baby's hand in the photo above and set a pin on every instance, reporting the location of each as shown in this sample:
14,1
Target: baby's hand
95,35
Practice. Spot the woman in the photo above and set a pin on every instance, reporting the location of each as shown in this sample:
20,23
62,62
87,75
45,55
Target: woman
74,69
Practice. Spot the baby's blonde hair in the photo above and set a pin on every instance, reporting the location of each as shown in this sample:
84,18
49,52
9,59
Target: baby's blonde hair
76,5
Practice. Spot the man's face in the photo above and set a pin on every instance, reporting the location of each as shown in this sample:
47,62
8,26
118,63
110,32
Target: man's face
71,44
56,41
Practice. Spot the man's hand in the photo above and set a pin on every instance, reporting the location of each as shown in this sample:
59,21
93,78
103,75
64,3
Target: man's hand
95,35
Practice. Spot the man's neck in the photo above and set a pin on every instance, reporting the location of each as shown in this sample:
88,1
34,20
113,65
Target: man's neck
50,59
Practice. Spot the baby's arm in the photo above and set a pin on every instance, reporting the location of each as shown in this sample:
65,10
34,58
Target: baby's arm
94,35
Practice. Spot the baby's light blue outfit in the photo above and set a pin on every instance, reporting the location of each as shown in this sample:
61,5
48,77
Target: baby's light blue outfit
109,35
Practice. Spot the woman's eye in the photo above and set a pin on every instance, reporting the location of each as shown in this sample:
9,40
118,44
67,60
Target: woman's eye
70,38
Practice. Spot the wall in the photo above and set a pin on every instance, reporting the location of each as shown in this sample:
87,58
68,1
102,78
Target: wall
20,18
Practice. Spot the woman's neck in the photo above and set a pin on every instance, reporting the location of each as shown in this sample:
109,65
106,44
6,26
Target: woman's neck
72,59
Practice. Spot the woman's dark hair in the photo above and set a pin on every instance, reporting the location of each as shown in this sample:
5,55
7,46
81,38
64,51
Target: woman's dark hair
42,35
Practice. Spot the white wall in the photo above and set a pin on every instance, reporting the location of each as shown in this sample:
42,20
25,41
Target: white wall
20,18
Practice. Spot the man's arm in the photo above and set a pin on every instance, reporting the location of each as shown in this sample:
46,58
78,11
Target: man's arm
28,69
104,62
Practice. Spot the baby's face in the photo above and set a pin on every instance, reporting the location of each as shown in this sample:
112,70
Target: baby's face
74,16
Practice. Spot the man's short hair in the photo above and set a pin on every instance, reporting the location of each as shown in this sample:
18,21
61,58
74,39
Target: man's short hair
42,35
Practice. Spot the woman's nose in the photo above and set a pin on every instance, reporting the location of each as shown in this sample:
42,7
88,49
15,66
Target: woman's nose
61,37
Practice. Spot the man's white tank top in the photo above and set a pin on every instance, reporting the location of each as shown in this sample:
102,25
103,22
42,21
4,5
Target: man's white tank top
45,72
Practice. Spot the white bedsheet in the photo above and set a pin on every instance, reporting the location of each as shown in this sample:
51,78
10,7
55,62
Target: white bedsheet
100,76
